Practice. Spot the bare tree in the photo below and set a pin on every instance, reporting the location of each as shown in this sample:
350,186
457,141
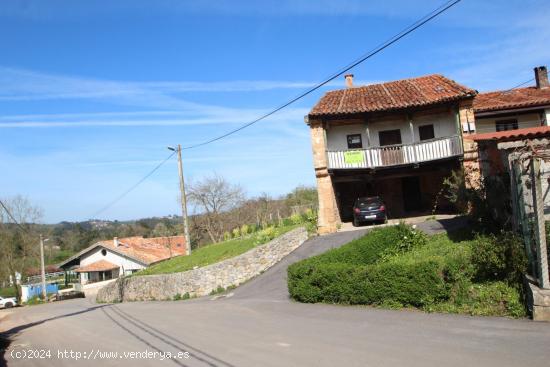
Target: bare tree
214,196
18,243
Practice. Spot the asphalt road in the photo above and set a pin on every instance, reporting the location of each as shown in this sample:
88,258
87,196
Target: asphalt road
258,326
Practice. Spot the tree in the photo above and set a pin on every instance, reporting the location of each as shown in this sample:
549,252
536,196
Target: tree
214,196
302,195
19,244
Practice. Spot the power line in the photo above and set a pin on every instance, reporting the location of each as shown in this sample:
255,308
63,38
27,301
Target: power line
132,188
519,85
419,23
12,217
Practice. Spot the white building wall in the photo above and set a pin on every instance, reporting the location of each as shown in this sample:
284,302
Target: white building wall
112,257
526,120
547,117
444,125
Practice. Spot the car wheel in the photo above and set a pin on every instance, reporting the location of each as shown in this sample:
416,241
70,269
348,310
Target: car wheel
8,305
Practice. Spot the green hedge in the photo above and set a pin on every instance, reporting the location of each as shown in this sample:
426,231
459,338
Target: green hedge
397,266
406,284
369,270
374,246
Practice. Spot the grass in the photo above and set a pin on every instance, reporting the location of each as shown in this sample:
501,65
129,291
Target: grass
59,256
214,253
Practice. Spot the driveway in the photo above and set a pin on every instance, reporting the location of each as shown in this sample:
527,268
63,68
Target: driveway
259,326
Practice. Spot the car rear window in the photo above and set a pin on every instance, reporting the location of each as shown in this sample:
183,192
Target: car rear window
368,202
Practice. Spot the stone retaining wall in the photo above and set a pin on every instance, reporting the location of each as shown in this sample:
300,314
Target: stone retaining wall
202,281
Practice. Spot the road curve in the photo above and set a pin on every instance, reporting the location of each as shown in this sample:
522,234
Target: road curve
259,326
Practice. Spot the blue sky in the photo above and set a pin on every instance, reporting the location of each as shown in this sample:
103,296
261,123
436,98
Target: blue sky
91,92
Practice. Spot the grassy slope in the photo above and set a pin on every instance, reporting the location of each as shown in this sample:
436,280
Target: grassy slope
210,254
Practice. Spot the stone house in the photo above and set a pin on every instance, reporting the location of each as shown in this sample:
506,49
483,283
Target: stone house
514,109
508,121
398,140
110,259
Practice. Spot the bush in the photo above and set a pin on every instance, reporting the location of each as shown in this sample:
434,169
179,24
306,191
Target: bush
406,284
296,219
266,235
377,244
226,236
236,232
245,229
396,266
499,257
353,275
485,299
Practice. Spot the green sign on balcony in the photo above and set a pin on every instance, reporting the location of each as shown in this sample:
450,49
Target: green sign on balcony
354,156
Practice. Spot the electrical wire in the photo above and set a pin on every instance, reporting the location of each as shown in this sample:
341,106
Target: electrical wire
12,217
419,23
517,86
133,187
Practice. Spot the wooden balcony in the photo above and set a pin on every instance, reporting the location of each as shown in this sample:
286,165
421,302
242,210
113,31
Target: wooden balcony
396,155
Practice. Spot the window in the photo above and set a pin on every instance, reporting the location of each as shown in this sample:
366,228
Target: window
503,125
389,137
104,252
426,132
354,141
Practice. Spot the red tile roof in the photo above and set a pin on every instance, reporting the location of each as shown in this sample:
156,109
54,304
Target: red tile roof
101,265
399,94
515,98
142,250
531,132
148,250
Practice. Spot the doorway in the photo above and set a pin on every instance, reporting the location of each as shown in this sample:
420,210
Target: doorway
412,196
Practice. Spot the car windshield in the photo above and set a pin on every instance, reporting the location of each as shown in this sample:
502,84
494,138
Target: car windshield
363,202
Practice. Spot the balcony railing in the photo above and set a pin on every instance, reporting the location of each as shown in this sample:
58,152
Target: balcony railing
395,155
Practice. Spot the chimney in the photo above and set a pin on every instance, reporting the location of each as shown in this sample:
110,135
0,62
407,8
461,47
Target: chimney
349,80
541,76
115,241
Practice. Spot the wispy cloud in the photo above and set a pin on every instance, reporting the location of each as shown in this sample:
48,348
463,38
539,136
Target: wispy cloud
20,84
148,118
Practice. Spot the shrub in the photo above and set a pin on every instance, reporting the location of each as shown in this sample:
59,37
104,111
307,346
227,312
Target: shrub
245,229
406,284
353,273
485,299
377,244
226,236
499,257
409,238
310,219
236,232
266,235
296,219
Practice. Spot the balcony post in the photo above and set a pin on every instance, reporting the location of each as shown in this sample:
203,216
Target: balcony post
328,216
411,127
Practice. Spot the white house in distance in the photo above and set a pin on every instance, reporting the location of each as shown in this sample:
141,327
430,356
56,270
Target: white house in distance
106,260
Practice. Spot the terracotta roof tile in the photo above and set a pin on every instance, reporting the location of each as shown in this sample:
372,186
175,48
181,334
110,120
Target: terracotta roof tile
531,132
400,94
101,265
516,98
148,250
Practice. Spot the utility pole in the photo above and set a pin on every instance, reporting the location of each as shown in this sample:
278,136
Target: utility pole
42,268
183,200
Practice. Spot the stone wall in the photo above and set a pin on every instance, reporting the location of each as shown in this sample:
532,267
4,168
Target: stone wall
202,281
